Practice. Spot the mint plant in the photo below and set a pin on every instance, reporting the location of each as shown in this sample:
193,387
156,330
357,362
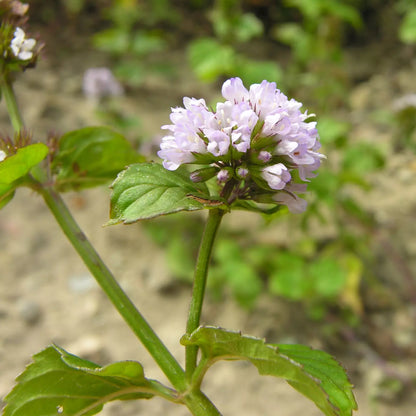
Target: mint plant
255,151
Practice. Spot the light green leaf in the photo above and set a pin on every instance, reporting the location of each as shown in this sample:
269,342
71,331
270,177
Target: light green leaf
113,40
58,383
147,190
407,30
328,276
289,276
91,156
210,59
6,194
19,164
255,71
313,373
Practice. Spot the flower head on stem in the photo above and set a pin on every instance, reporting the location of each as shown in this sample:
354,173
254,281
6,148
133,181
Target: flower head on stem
22,47
261,146
17,50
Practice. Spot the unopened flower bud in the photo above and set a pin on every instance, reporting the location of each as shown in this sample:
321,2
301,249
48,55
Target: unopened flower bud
265,156
223,175
242,173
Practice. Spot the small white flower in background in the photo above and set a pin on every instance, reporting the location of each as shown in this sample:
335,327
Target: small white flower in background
259,142
2,155
21,47
99,83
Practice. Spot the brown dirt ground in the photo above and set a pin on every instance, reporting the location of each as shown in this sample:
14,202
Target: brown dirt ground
47,295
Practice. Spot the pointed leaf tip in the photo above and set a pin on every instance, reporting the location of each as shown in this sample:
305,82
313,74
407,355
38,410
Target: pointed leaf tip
314,373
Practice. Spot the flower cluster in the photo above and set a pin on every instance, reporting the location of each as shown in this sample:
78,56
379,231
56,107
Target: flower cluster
22,47
16,50
258,143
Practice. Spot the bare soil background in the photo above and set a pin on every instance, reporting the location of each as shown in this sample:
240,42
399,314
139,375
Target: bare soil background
47,294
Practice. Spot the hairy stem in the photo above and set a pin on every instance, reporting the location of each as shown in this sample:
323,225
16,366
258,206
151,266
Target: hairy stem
200,279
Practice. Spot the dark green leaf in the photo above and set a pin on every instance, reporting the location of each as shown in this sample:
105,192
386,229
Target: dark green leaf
313,373
91,156
58,383
147,190
19,164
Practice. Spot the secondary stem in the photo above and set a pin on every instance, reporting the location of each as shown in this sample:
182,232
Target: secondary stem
12,107
108,283
200,278
195,400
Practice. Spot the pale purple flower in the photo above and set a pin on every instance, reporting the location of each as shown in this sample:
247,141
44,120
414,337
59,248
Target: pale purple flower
2,155
277,176
99,83
295,204
258,135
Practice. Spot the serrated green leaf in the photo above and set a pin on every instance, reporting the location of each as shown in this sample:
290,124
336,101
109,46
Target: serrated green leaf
91,156
147,190
313,373
59,383
19,164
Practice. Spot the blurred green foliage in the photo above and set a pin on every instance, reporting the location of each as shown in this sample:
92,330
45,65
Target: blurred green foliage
300,44
407,30
221,54
132,35
321,274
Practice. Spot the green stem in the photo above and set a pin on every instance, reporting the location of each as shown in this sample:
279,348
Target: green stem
108,283
200,405
200,278
195,400
12,107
